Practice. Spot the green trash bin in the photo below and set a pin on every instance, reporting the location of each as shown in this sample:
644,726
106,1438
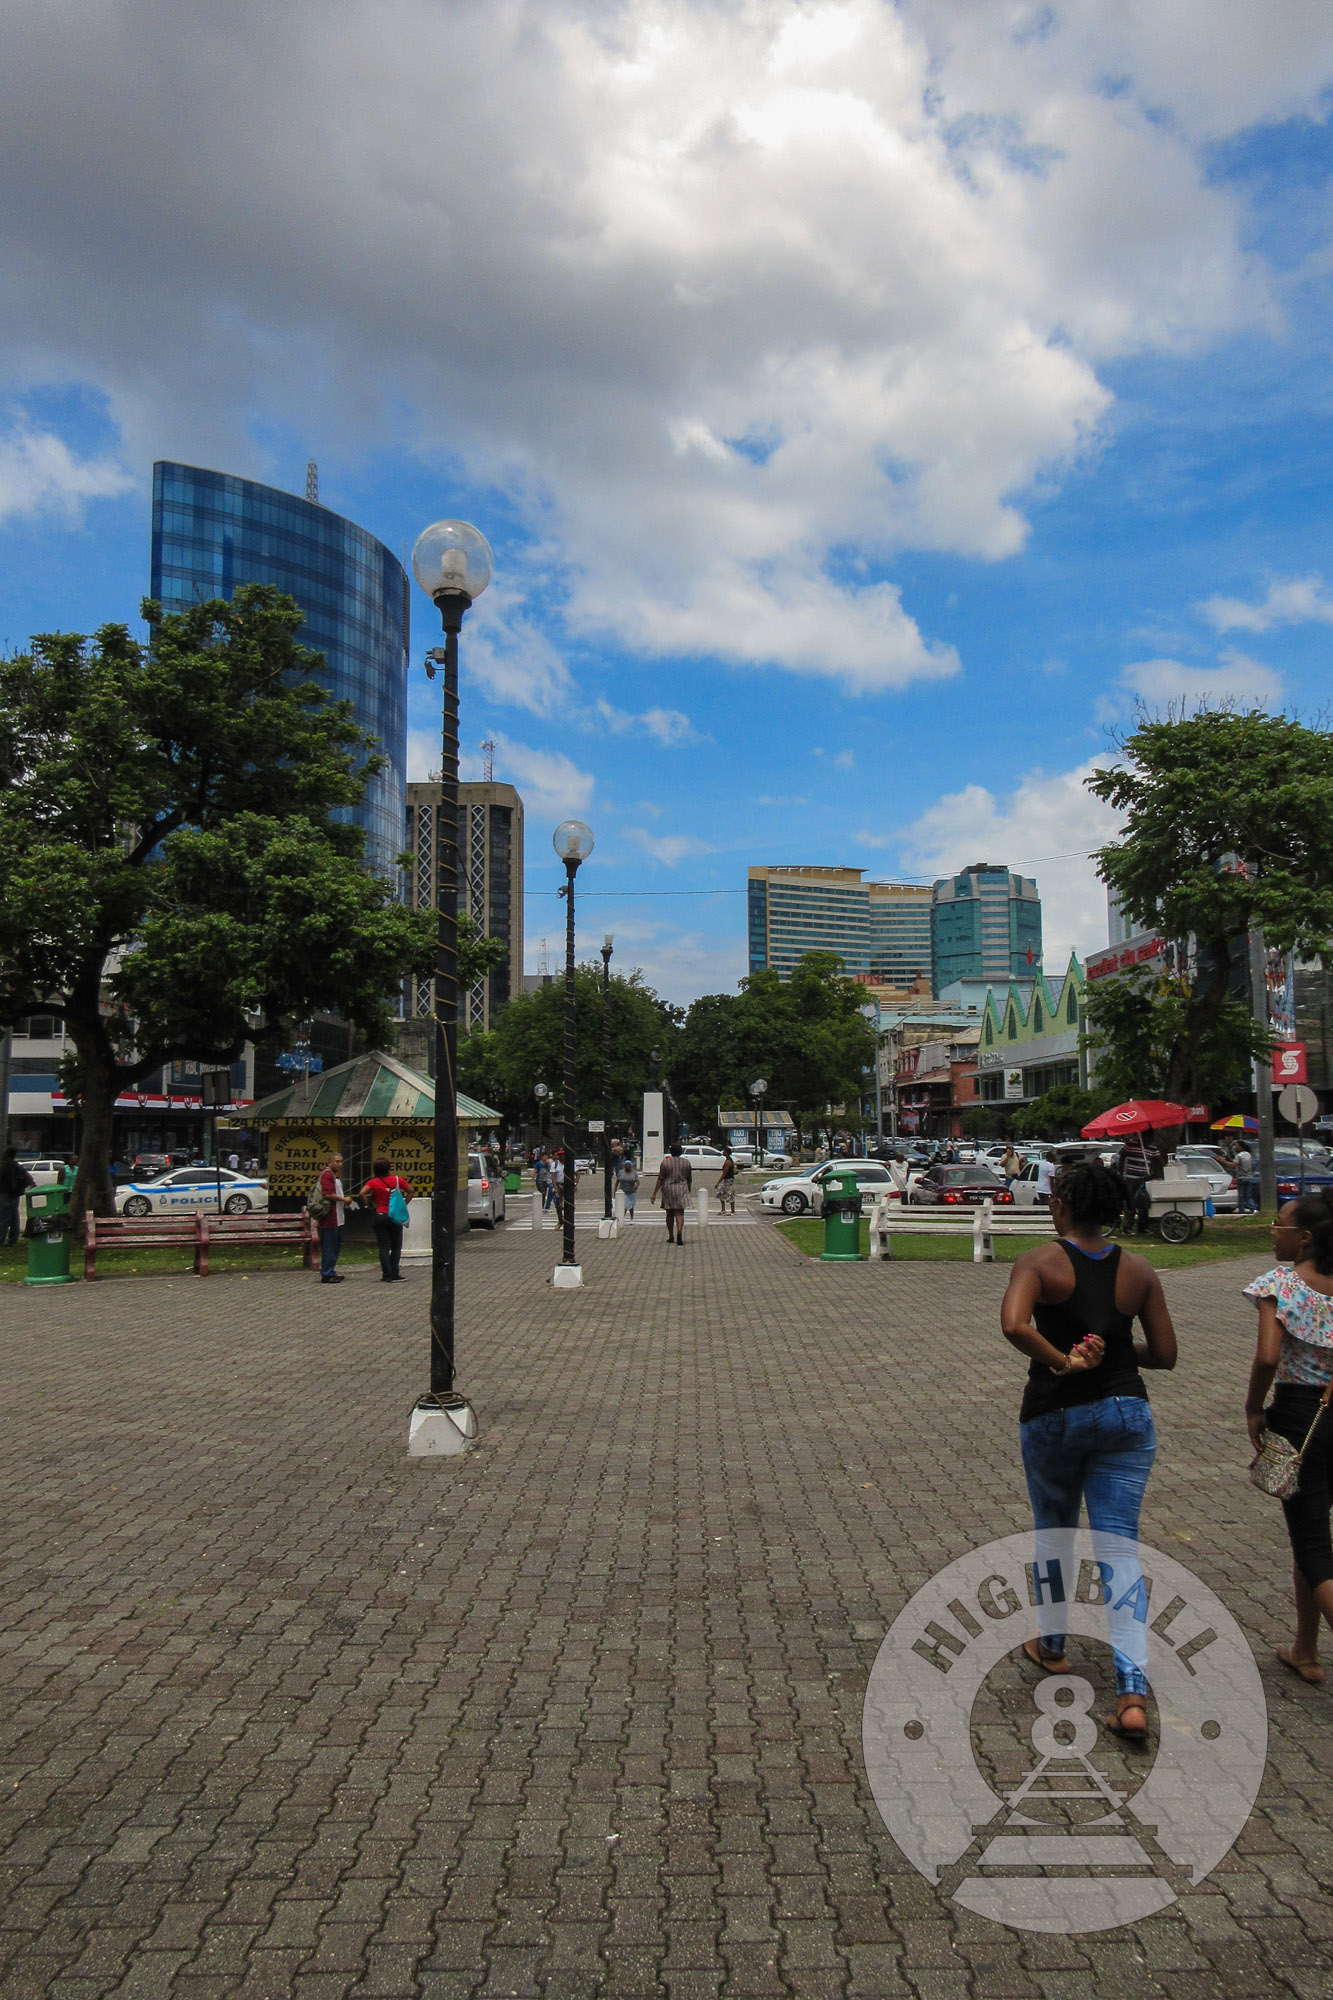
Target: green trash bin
842,1218
513,1181
48,1232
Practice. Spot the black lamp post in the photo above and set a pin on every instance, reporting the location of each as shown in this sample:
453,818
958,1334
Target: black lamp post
607,946
573,842
757,1089
452,563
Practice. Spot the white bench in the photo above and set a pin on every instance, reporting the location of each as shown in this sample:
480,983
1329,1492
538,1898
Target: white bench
890,1218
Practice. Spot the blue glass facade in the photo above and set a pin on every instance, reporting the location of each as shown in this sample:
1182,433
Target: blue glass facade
212,532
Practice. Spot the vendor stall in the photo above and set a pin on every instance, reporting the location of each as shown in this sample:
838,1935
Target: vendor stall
370,1106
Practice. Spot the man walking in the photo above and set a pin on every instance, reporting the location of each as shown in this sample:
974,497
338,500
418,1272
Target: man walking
1242,1167
15,1180
726,1184
673,1183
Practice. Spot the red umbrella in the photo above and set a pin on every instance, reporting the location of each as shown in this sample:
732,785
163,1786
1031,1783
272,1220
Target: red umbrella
1141,1114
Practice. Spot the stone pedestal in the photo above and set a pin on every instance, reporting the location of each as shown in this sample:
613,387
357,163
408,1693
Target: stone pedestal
654,1130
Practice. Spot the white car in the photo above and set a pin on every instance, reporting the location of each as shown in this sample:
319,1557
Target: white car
186,1190
1024,1189
802,1193
45,1173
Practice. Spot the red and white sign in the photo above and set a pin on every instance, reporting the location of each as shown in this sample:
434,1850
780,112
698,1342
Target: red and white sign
1289,1063
1124,957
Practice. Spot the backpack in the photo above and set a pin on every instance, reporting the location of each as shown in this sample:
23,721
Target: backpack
317,1203
398,1209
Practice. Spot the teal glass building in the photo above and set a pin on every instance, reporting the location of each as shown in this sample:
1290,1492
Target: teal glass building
212,531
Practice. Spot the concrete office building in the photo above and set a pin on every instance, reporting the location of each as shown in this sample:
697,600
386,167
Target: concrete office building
985,924
213,532
880,930
490,885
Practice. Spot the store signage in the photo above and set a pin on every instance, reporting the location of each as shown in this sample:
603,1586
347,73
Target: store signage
1125,957
1013,1085
1289,1063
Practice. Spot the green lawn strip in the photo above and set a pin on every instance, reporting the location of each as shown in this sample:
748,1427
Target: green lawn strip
1220,1241
167,1260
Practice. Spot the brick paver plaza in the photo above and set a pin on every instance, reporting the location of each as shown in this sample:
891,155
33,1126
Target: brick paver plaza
287,1713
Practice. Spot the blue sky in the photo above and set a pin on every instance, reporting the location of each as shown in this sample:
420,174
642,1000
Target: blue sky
867,405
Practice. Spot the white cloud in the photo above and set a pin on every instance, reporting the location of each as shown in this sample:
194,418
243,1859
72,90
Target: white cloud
732,303
1161,684
39,474
668,725
1300,601
551,784
669,848
679,960
1046,829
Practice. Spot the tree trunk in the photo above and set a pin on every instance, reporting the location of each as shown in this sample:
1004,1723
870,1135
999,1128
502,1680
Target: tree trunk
100,1078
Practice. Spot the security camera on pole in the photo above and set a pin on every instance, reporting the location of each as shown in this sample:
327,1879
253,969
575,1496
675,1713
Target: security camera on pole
452,563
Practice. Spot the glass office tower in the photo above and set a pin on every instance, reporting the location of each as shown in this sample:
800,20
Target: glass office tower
212,532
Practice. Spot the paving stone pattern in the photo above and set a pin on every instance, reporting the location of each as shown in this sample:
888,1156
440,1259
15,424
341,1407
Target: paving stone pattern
285,1713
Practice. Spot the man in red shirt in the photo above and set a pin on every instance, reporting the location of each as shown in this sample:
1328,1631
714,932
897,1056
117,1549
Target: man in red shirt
331,1222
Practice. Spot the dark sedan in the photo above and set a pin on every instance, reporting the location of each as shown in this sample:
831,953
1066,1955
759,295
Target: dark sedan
1297,1176
965,1187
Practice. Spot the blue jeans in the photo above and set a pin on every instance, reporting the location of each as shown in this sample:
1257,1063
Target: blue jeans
1247,1197
1100,1453
330,1243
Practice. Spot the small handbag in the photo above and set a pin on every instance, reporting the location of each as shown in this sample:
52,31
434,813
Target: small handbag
1277,1468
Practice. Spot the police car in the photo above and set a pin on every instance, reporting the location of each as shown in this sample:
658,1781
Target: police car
186,1189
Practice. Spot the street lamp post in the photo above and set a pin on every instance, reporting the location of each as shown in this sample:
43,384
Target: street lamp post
607,944
452,563
757,1089
541,1092
871,1014
573,842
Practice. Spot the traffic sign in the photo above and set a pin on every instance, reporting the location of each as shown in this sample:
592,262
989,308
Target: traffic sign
1298,1104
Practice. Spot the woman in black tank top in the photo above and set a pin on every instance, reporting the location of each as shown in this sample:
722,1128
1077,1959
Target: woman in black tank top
1086,1429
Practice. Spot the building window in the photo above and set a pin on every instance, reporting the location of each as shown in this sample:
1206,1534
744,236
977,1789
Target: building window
1071,1008
1036,1016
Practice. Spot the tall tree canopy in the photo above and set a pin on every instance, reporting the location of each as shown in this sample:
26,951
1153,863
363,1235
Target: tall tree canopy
174,877
1228,823
805,1036
527,1047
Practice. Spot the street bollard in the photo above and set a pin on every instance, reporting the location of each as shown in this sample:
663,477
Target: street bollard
48,1234
701,1205
842,1218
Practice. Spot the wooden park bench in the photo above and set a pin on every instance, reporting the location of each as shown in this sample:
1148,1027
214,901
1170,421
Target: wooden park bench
202,1232
982,1223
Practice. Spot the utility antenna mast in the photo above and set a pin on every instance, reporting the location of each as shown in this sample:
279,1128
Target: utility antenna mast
543,969
488,754
312,481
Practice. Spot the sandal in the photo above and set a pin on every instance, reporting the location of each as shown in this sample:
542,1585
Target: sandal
1310,1671
1050,1663
1128,1704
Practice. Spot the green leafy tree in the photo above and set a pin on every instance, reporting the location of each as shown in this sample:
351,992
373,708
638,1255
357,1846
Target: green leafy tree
176,875
527,1047
1228,824
805,1036
1063,1112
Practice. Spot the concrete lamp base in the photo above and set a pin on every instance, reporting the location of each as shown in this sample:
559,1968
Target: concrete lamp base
441,1427
568,1277
608,1229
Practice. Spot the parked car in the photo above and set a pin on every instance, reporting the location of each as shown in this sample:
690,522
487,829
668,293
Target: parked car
185,1190
958,1186
801,1193
486,1190
147,1166
1024,1192
1201,1164
1301,1172
771,1157
702,1158
743,1155
45,1173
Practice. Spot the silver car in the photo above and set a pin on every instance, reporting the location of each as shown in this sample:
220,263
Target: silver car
485,1190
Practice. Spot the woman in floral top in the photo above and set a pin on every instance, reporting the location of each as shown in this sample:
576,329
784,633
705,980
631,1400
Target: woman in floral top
1295,1302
